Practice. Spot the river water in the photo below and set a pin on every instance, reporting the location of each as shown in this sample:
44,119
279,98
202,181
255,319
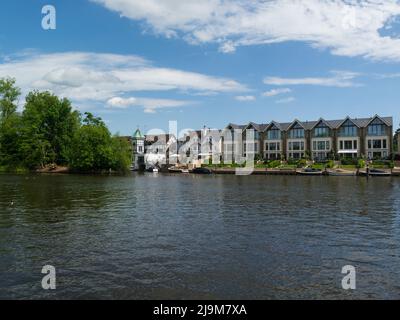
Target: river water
157,236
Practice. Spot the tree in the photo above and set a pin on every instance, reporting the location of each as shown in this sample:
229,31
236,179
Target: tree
48,127
9,94
9,123
94,149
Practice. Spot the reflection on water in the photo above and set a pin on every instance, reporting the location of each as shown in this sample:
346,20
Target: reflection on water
184,236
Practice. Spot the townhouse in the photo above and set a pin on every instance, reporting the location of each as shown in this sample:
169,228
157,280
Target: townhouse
319,140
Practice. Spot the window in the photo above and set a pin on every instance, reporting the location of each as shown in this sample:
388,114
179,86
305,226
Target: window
355,144
384,144
296,133
376,128
321,130
274,134
296,146
348,145
348,129
377,144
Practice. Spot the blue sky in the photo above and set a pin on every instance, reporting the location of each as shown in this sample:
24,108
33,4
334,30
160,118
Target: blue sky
144,63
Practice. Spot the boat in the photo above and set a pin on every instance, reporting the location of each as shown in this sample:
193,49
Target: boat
341,173
175,170
376,173
185,170
310,172
152,169
201,171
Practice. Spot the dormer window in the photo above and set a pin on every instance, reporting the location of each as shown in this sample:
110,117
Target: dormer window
348,129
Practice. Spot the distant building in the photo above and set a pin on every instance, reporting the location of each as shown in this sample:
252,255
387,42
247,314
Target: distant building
319,140
138,150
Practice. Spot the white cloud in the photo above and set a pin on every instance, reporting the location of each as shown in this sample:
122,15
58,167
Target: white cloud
276,92
286,100
97,77
245,98
341,79
150,105
345,27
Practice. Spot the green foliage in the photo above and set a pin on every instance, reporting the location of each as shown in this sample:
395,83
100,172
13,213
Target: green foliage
298,163
9,123
361,163
49,132
273,164
330,164
94,149
349,162
48,125
9,94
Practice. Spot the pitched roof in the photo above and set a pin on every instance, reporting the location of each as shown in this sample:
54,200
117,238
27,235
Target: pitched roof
138,135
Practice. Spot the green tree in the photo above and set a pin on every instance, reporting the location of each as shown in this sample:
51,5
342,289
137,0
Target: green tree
94,149
9,94
9,123
48,127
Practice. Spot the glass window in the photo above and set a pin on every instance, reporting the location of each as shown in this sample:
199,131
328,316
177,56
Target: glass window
274,134
348,129
384,144
348,145
377,144
377,128
355,144
296,133
321,132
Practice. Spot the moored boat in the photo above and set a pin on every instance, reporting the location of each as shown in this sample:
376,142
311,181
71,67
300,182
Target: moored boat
201,170
376,173
341,173
310,172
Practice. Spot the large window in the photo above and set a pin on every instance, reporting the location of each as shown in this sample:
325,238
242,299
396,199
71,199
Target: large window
377,128
297,132
377,144
321,130
348,129
273,146
348,145
274,134
296,146
321,145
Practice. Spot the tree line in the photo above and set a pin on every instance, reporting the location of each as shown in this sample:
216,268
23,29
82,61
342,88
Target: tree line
48,132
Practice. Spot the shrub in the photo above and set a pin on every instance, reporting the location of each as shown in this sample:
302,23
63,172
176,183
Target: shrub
361,164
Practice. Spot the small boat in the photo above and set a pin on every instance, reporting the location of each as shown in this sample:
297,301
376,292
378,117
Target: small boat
152,169
185,171
175,170
376,173
310,172
201,171
341,173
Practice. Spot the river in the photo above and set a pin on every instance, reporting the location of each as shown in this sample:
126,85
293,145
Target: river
160,236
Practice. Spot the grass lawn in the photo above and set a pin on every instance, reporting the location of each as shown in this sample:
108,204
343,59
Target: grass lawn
348,166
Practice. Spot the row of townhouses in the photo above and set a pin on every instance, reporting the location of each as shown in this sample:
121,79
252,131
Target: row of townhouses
319,140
